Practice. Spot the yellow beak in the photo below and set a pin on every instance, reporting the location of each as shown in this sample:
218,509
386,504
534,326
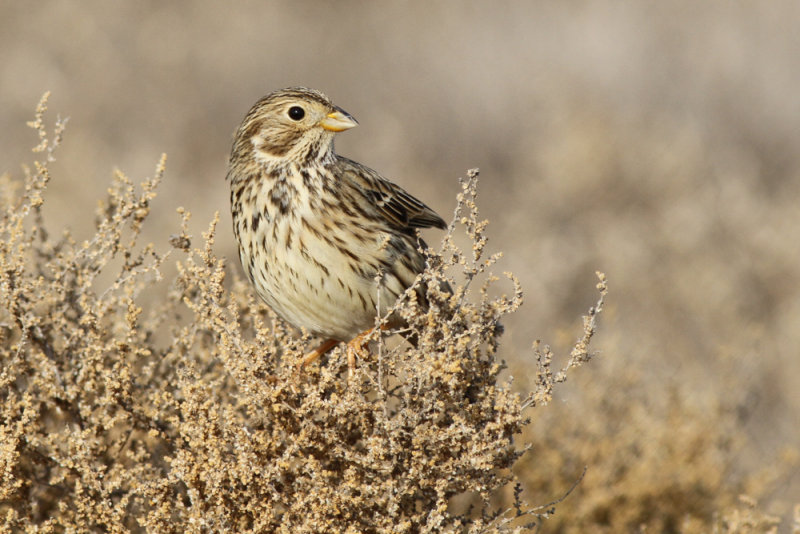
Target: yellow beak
338,121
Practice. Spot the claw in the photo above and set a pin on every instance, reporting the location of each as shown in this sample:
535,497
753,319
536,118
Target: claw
356,347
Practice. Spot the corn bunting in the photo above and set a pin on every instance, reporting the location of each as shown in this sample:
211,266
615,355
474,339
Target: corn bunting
315,229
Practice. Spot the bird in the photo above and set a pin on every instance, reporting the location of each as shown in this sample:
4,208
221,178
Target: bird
328,243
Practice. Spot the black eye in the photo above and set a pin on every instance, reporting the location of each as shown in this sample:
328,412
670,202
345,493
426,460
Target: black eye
296,113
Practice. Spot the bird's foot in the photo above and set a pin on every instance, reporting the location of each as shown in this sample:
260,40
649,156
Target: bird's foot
357,347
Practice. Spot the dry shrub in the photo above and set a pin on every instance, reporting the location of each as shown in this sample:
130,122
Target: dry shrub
189,416
744,518
651,467
653,463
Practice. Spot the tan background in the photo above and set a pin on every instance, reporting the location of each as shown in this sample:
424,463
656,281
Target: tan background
656,141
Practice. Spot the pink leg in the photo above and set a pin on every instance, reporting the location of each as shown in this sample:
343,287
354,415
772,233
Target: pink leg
314,355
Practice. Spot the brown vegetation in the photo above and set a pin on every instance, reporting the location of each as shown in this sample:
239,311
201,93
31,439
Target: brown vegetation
654,141
187,414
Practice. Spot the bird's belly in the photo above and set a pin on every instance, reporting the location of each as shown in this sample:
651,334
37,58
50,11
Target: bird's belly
312,282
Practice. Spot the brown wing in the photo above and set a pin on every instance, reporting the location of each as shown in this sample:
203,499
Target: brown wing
399,208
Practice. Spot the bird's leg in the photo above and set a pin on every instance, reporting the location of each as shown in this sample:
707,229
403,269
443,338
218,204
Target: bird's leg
314,355
355,347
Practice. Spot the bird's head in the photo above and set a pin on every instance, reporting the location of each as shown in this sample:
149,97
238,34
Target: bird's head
294,124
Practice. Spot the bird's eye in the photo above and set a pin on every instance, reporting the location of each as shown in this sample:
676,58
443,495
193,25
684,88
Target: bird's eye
296,113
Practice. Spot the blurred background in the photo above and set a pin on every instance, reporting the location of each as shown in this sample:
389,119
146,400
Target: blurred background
654,141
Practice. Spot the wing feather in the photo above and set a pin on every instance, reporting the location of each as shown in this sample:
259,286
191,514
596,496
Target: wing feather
393,203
